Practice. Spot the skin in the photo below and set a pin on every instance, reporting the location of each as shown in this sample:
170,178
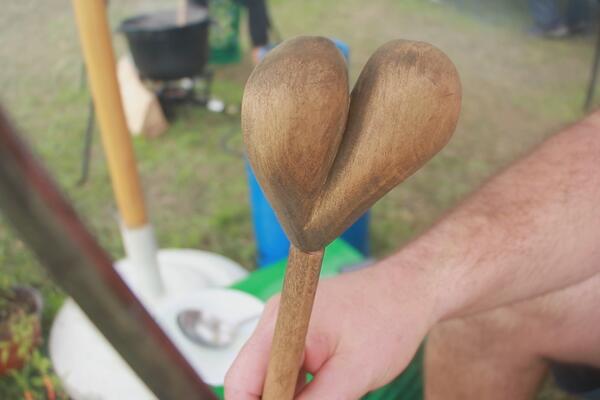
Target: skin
256,54
507,347
506,280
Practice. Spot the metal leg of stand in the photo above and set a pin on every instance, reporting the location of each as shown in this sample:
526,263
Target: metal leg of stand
86,154
82,76
594,74
201,98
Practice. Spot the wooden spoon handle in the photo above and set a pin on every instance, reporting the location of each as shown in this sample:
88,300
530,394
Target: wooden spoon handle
299,287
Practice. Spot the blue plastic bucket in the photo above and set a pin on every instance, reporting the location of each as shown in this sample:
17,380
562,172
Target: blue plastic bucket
343,47
272,244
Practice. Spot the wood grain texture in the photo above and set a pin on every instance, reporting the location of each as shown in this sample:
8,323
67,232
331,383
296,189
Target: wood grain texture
404,109
323,158
299,288
293,115
95,36
319,177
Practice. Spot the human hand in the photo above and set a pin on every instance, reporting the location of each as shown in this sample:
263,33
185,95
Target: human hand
365,328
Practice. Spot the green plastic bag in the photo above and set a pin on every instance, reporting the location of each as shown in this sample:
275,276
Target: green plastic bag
224,34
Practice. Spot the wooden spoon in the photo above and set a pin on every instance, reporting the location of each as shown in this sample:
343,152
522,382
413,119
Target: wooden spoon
322,166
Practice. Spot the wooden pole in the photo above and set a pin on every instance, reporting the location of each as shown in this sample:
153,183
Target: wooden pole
47,223
297,297
94,34
323,163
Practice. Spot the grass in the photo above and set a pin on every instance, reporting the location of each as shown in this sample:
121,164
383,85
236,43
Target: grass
517,91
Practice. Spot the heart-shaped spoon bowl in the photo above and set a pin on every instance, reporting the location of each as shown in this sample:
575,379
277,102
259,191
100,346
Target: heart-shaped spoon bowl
322,165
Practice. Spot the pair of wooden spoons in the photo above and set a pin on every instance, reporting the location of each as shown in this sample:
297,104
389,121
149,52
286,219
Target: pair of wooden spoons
324,156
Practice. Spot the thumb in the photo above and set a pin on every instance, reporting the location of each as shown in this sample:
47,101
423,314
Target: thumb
245,378
339,378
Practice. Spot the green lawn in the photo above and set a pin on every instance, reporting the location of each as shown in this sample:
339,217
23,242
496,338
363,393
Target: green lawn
516,91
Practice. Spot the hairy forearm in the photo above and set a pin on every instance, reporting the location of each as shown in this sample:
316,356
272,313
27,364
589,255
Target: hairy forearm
532,229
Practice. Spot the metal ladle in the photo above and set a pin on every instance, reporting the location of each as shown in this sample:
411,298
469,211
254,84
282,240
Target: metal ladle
209,330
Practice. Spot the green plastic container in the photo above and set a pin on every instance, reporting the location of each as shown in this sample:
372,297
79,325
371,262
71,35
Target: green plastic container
268,281
224,33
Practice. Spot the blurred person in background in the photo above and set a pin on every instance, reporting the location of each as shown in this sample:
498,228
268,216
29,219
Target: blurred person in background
259,25
554,19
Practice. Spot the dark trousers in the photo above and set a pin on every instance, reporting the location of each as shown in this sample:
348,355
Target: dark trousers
258,19
577,379
548,14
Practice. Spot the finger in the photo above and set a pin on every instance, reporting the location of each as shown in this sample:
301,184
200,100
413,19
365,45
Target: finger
339,378
300,383
319,349
245,378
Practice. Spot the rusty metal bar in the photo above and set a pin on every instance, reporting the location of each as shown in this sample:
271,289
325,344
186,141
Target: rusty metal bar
46,221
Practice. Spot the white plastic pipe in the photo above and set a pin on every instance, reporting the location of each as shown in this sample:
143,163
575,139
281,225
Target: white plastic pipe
141,249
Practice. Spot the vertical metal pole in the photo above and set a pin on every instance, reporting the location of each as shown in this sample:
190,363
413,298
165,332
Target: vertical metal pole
593,74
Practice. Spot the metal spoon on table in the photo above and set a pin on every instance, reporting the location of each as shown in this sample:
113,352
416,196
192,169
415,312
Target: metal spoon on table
209,330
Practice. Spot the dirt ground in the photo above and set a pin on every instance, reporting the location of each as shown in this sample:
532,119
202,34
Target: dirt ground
517,90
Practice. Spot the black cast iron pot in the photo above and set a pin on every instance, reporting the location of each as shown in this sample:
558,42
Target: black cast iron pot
162,50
